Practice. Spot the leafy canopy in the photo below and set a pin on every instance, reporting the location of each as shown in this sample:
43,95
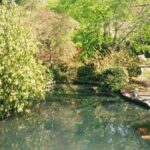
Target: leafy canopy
104,25
22,76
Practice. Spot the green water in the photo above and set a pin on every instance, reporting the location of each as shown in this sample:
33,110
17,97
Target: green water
77,122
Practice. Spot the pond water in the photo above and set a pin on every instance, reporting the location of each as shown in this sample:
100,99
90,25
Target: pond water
77,122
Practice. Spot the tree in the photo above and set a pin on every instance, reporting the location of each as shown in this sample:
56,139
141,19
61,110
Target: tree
104,25
22,76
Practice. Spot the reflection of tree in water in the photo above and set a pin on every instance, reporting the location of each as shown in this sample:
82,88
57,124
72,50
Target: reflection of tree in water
87,125
96,133
53,129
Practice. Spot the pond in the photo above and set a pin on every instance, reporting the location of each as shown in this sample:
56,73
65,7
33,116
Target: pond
77,121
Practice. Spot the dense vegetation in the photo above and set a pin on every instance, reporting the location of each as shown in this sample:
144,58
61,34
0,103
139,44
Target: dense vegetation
110,33
106,25
113,79
94,42
22,76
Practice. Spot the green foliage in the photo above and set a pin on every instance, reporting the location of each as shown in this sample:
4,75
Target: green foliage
22,76
104,25
130,62
140,42
20,1
86,74
113,79
24,2
59,72
63,73
30,5
121,59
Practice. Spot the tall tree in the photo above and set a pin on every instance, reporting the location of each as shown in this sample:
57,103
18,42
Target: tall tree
104,25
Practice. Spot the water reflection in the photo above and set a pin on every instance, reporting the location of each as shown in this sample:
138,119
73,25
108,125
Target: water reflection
85,124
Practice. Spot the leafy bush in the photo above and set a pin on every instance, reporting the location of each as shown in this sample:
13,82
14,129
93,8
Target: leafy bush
113,79
122,59
146,50
86,74
140,42
22,76
130,62
59,71
63,73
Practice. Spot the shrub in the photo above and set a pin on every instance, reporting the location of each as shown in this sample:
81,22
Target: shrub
130,62
63,73
86,74
59,71
113,79
146,49
122,59
22,76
